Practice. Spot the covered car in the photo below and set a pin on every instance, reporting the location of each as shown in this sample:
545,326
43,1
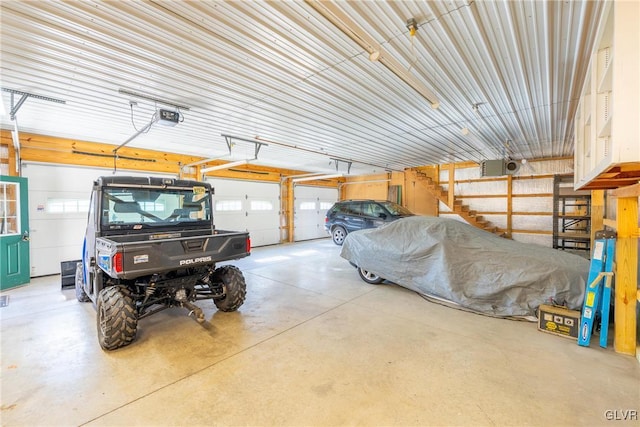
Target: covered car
472,268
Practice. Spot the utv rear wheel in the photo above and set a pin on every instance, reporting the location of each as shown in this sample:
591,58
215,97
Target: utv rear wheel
370,277
117,319
234,286
338,234
81,295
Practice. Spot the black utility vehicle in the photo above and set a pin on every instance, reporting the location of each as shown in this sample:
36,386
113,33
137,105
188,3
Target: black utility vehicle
151,244
351,215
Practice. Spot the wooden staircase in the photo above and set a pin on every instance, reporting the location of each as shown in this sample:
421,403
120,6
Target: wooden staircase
467,214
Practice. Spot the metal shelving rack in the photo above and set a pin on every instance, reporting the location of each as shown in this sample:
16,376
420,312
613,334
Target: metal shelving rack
571,216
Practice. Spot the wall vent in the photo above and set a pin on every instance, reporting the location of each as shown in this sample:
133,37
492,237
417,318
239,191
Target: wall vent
492,168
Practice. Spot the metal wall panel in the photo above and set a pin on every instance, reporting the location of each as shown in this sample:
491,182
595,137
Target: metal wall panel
506,72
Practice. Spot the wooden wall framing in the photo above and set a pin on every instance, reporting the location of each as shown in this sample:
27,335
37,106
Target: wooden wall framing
62,151
627,295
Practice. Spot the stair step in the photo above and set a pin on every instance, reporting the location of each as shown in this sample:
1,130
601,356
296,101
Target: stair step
469,215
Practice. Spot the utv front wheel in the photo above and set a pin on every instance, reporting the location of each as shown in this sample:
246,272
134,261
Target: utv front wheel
370,277
234,287
117,319
81,295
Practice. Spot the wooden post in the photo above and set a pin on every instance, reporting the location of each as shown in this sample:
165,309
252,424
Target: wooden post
12,160
597,213
290,210
509,205
437,181
626,269
450,191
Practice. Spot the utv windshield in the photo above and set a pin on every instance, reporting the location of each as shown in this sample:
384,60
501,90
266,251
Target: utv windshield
137,208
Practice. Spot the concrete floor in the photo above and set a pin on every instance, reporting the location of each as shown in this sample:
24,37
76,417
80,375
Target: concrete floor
312,345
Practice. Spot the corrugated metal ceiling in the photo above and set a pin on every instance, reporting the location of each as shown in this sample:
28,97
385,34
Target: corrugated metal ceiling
507,75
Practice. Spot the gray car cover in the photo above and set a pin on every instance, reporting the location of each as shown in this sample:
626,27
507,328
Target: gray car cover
478,270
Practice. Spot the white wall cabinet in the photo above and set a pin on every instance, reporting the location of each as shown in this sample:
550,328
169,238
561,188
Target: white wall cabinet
607,132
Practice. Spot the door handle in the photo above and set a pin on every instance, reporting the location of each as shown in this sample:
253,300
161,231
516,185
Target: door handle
25,236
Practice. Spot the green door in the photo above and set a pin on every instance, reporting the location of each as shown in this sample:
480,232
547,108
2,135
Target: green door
14,232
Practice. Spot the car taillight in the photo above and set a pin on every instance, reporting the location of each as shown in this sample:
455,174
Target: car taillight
248,244
117,262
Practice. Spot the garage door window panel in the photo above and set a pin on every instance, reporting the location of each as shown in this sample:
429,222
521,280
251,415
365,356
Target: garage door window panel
228,206
261,205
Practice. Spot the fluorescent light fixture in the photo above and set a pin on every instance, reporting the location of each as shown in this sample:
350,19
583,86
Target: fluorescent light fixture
225,166
398,69
304,175
313,178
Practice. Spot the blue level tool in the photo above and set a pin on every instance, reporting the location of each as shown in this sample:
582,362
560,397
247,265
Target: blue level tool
597,297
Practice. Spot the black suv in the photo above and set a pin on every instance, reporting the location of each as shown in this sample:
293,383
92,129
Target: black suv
351,215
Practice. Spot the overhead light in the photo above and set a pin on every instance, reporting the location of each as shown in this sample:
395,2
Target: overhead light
314,174
225,166
313,178
412,26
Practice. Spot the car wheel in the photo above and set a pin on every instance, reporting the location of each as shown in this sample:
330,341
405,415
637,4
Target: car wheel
338,234
370,277
117,318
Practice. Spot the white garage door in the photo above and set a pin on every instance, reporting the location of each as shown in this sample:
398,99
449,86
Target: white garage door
58,208
248,205
311,205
